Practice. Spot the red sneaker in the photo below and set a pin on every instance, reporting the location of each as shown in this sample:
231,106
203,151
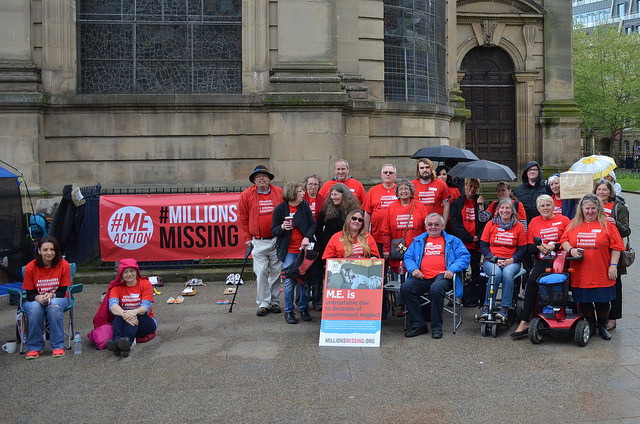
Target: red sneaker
33,354
57,353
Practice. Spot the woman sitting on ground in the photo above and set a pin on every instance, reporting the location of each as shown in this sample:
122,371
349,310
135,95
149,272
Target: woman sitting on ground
353,241
130,301
46,279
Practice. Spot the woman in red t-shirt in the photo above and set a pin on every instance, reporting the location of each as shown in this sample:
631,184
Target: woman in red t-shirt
46,279
503,191
353,241
130,302
598,242
294,226
549,227
405,213
503,237
618,214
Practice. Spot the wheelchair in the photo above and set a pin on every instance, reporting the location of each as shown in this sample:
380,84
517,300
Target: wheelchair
22,326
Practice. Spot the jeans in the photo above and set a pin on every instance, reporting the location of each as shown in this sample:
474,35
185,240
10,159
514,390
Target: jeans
146,325
290,288
55,317
505,275
414,287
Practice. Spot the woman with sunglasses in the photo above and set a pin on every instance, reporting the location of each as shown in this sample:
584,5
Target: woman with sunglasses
598,242
353,241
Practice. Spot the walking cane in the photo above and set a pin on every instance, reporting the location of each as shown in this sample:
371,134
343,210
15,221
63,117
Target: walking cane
238,277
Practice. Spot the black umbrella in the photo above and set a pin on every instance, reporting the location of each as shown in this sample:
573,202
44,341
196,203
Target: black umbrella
483,169
444,152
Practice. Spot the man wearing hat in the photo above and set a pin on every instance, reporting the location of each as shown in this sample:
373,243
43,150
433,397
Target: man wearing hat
255,213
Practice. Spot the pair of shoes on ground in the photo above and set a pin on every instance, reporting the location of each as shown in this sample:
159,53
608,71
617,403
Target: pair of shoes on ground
436,333
120,348
178,299
290,317
34,354
263,310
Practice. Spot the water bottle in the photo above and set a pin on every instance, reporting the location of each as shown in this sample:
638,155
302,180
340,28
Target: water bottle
77,344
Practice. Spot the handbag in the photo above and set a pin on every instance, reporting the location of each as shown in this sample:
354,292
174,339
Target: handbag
398,246
627,256
100,335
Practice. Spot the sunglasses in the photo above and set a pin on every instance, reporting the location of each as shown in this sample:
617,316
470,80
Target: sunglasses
388,172
355,218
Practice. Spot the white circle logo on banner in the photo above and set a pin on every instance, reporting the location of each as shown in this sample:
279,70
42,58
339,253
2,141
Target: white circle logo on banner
130,228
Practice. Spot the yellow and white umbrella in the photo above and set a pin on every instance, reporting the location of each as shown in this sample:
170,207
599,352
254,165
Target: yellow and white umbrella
599,165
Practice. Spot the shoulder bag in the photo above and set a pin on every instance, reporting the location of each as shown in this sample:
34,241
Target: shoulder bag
398,245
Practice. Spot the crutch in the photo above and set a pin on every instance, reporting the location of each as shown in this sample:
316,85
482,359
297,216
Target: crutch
238,277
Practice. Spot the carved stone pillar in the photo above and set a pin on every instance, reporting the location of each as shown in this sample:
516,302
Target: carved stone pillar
59,67
255,46
525,118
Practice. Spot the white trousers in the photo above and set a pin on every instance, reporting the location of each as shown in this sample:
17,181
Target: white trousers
266,266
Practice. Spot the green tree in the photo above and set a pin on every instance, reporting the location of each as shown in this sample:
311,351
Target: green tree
607,79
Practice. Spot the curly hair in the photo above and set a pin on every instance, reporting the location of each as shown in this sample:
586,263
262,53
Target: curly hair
361,237
348,204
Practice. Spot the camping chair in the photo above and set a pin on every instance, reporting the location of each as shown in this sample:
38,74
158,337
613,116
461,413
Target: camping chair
452,305
22,327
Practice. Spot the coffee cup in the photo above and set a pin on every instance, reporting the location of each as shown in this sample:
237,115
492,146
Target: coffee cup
288,222
10,346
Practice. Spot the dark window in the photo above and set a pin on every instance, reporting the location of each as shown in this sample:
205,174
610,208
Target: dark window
160,46
414,51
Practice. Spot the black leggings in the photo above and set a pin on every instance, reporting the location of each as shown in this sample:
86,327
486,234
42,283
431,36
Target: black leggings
531,289
601,310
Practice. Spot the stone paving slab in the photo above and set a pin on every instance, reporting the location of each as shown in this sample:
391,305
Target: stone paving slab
207,365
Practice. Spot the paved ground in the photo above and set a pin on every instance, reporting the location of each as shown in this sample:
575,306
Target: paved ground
207,365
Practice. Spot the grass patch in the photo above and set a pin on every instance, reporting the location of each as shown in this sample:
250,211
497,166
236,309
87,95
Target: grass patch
628,180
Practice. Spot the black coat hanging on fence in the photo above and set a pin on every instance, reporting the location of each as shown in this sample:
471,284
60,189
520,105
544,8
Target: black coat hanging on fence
67,221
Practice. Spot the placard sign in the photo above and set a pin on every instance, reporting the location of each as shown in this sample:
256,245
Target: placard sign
352,304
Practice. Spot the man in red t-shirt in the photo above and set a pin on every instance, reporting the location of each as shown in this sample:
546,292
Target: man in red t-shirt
432,260
255,216
431,191
378,200
342,176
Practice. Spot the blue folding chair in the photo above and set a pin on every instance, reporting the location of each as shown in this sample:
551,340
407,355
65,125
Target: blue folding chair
22,327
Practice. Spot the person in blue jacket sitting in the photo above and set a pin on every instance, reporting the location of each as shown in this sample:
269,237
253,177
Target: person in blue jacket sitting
432,261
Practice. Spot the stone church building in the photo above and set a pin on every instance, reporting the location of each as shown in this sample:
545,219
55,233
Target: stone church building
189,93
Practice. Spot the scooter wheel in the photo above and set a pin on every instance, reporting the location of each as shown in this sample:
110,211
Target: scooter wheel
483,330
494,331
582,333
535,330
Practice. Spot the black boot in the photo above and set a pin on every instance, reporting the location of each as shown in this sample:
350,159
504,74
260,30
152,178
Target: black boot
604,333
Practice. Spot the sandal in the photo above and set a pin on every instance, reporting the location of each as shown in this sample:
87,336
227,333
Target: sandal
223,302
178,299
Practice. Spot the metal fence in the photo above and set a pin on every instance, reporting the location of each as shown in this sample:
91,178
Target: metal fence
86,252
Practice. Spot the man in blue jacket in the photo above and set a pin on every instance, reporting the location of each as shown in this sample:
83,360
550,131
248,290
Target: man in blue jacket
432,261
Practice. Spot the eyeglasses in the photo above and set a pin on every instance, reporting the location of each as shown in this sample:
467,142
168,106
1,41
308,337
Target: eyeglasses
434,224
388,172
355,218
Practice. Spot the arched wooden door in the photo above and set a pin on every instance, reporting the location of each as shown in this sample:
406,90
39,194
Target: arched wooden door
489,92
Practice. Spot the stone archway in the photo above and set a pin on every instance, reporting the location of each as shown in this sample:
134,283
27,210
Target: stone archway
490,91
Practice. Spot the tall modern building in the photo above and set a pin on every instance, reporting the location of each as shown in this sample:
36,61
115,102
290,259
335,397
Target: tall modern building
624,13
198,92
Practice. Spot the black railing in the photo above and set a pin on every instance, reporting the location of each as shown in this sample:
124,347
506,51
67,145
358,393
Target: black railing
86,254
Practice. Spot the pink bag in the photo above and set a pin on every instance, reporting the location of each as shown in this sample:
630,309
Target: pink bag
99,336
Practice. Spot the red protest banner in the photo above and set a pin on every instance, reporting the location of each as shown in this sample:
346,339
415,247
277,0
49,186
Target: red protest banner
170,227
